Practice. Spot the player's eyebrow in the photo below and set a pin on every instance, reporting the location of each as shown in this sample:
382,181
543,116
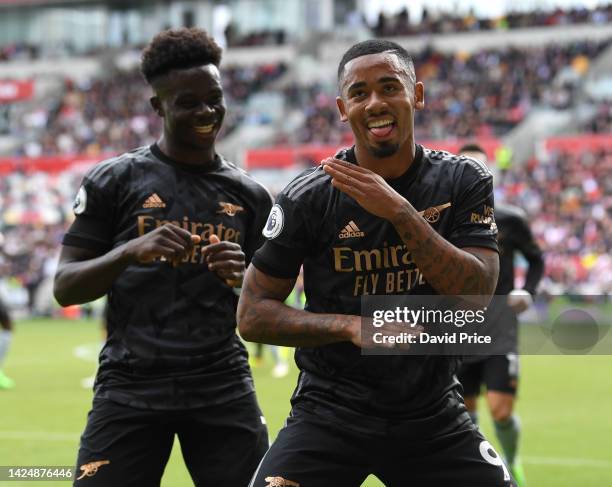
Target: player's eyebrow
359,84
388,79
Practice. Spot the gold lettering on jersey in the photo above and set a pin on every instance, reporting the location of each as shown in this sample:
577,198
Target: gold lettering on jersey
147,223
370,262
366,284
404,280
371,259
348,260
486,217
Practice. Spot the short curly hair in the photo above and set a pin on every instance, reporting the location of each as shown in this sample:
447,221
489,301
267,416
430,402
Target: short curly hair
178,49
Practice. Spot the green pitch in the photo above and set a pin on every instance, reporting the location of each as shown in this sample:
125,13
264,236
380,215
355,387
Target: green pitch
565,406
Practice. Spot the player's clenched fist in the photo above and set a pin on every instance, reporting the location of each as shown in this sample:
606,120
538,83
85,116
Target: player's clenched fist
226,259
169,241
369,189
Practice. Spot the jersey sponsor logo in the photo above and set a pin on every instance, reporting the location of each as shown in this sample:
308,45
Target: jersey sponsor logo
280,482
369,266
154,201
486,218
90,469
351,230
275,223
229,208
80,202
432,215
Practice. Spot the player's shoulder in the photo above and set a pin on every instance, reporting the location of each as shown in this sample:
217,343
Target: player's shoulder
116,166
308,184
248,183
461,164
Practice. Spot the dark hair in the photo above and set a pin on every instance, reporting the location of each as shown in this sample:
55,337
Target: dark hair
376,46
472,147
178,49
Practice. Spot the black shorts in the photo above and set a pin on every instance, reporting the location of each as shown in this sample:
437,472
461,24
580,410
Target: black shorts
129,447
444,449
498,373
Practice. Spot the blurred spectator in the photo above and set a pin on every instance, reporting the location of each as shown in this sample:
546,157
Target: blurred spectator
446,22
481,94
602,120
568,198
112,114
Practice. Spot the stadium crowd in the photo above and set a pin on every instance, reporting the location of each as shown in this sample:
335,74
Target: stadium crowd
568,199
601,122
507,83
444,22
112,114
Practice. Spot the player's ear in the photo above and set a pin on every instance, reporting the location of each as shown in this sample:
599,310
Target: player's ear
341,108
157,105
419,96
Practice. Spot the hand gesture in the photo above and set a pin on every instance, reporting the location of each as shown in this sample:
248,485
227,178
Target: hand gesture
226,259
169,242
369,189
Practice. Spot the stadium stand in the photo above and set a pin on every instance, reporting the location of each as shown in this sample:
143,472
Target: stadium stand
112,114
509,83
443,22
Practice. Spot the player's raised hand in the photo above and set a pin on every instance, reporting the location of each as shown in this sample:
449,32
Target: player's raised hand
169,241
226,259
369,189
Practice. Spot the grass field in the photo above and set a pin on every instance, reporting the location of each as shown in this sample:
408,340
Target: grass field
565,407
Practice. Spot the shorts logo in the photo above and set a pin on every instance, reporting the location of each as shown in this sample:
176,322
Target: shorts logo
351,230
432,215
229,209
275,223
90,469
154,201
280,482
80,202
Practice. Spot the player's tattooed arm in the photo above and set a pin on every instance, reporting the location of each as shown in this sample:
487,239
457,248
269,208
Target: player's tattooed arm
449,270
84,275
264,317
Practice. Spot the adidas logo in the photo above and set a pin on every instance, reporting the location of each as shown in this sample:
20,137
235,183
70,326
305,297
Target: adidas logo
154,201
351,230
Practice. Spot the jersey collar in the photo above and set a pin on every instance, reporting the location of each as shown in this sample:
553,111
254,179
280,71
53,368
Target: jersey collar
348,155
193,168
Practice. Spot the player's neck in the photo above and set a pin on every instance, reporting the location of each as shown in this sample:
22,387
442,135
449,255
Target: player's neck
186,155
391,167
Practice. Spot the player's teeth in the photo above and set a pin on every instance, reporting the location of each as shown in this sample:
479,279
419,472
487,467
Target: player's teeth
204,128
380,123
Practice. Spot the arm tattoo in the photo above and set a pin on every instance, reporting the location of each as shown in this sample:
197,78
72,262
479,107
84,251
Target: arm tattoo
448,269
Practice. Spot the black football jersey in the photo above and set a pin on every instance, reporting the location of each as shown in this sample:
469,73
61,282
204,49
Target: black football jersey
515,236
348,253
171,340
